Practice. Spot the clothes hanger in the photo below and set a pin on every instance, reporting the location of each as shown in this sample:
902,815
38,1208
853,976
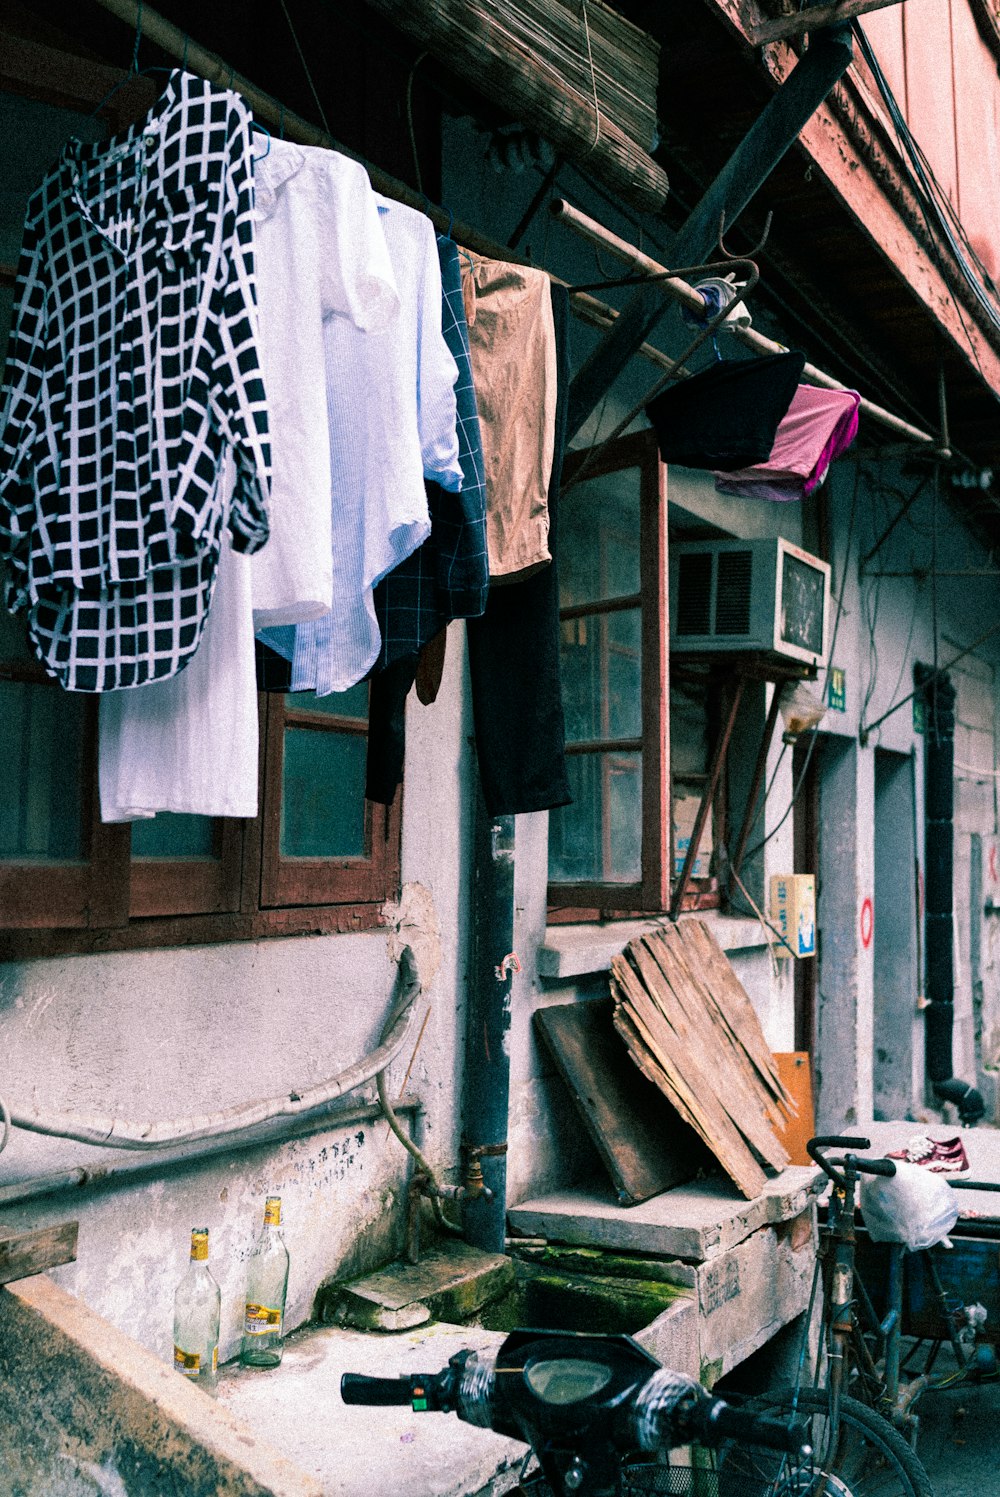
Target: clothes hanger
255,125
464,253
134,71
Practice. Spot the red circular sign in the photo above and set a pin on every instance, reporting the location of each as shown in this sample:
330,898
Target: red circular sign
867,921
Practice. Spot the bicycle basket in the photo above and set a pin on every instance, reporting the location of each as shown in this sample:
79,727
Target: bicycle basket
652,1480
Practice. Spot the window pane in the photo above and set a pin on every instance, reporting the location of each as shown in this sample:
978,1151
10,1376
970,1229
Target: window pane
688,728
323,793
598,839
351,703
170,835
601,657
599,538
41,790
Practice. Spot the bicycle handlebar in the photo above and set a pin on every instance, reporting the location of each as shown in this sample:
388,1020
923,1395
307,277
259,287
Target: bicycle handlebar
884,1167
815,1146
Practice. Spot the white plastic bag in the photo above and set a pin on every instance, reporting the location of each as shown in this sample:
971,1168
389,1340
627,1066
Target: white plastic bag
915,1207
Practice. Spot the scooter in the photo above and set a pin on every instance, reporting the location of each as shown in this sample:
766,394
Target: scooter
593,1409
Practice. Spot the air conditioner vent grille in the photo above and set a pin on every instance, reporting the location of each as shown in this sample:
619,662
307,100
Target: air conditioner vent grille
732,597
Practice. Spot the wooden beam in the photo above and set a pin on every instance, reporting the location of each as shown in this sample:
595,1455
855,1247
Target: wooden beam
772,134
827,13
23,1254
36,71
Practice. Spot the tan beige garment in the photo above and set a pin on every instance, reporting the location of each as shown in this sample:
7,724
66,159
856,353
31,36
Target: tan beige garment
512,337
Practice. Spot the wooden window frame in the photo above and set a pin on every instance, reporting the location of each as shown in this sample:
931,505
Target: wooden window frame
111,901
190,886
86,893
595,900
108,900
302,882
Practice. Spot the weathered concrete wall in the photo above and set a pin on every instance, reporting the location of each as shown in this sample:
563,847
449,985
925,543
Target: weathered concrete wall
167,1034
86,1410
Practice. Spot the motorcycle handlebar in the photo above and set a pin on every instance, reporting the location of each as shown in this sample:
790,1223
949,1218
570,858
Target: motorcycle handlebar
724,1422
380,1392
685,1413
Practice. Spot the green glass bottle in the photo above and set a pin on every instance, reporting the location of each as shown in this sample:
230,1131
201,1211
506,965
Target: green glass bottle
196,1317
267,1284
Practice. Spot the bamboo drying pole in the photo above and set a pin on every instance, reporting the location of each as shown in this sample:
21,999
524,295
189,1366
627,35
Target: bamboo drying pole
596,233
165,35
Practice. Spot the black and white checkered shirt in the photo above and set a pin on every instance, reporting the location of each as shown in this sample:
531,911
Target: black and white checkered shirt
132,368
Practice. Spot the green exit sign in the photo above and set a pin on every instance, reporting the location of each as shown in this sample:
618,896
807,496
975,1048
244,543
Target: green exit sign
836,691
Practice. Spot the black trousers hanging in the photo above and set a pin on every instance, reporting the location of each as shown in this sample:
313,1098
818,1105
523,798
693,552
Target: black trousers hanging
513,666
514,658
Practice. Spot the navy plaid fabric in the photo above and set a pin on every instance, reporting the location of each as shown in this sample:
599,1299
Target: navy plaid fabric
448,576
132,368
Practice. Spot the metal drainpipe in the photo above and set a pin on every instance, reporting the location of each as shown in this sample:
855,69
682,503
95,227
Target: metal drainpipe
486,1088
939,857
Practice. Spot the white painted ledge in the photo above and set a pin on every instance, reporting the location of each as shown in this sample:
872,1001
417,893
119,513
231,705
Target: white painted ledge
576,950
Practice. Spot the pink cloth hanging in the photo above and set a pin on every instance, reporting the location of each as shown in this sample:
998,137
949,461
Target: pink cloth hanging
820,425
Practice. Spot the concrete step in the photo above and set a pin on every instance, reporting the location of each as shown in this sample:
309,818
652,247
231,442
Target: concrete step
451,1282
369,1452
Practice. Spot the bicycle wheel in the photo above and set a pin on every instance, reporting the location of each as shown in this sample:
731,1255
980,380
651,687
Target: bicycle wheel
868,1457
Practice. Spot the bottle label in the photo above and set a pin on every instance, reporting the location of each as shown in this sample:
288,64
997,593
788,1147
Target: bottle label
261,1320
199,1247
188,1362
272,1211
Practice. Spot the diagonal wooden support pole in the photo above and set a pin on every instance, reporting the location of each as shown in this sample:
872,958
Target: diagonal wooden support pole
708,796
773,133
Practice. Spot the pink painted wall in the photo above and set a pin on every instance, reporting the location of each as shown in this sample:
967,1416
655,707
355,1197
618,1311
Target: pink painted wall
944,77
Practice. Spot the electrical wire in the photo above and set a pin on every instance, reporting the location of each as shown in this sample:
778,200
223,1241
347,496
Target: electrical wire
921,177
814,734
153,1134
305,68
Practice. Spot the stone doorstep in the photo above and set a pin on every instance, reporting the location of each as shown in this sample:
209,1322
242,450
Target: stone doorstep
450,1283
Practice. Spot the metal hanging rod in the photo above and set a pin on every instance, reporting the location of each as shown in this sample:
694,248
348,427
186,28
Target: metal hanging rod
680,290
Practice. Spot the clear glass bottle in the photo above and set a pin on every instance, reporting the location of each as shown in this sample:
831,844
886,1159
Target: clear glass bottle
196,1317
267,1283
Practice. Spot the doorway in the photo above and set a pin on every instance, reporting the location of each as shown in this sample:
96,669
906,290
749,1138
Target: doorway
895,975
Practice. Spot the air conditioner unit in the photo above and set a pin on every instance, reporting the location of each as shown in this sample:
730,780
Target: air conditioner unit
740,596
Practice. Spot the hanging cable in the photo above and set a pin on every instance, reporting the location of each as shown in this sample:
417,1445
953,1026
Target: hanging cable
417,175
921,177
305,68
814,734
152,1134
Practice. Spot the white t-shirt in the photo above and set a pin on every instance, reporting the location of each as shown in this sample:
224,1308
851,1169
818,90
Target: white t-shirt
321,255
190,743
393,422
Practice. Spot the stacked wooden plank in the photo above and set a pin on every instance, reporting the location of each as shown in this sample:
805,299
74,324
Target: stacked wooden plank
543,62
692,1030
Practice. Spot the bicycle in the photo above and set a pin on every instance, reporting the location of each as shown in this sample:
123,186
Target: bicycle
862,1419
600,1416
